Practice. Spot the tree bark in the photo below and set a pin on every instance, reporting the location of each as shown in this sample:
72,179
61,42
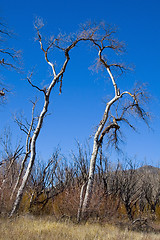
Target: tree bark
32,158
89,188
97,143
81,202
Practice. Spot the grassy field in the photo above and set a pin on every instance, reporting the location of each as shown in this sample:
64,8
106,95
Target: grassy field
31,228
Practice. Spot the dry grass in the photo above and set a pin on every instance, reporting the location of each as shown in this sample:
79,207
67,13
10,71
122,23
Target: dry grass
31,228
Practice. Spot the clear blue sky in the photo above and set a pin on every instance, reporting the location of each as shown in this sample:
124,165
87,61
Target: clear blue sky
79,108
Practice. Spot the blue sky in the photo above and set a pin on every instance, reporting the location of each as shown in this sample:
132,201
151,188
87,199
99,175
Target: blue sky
76,112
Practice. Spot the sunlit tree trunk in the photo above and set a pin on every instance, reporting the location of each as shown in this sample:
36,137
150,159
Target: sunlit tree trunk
105,127
40,120
96,145
32,158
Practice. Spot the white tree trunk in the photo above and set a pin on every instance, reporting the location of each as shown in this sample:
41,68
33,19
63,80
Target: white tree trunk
32,158
40,121
81,202
89,188
96,145
28,142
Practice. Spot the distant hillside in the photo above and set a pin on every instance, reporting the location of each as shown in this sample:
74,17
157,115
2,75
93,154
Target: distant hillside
149,169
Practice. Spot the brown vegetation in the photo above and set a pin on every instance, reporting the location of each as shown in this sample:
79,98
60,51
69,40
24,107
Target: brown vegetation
47,228
54,189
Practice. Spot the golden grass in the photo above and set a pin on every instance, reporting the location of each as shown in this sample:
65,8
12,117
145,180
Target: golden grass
31,228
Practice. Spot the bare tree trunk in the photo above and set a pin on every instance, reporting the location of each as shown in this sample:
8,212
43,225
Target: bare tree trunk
89,188
96,145
81,202
28,149
40,121
100,133
32,158
19,176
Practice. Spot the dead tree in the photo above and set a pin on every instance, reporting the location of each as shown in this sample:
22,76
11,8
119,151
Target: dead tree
102,39
46,93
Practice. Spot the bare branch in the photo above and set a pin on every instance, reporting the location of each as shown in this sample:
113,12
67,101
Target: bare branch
35,86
